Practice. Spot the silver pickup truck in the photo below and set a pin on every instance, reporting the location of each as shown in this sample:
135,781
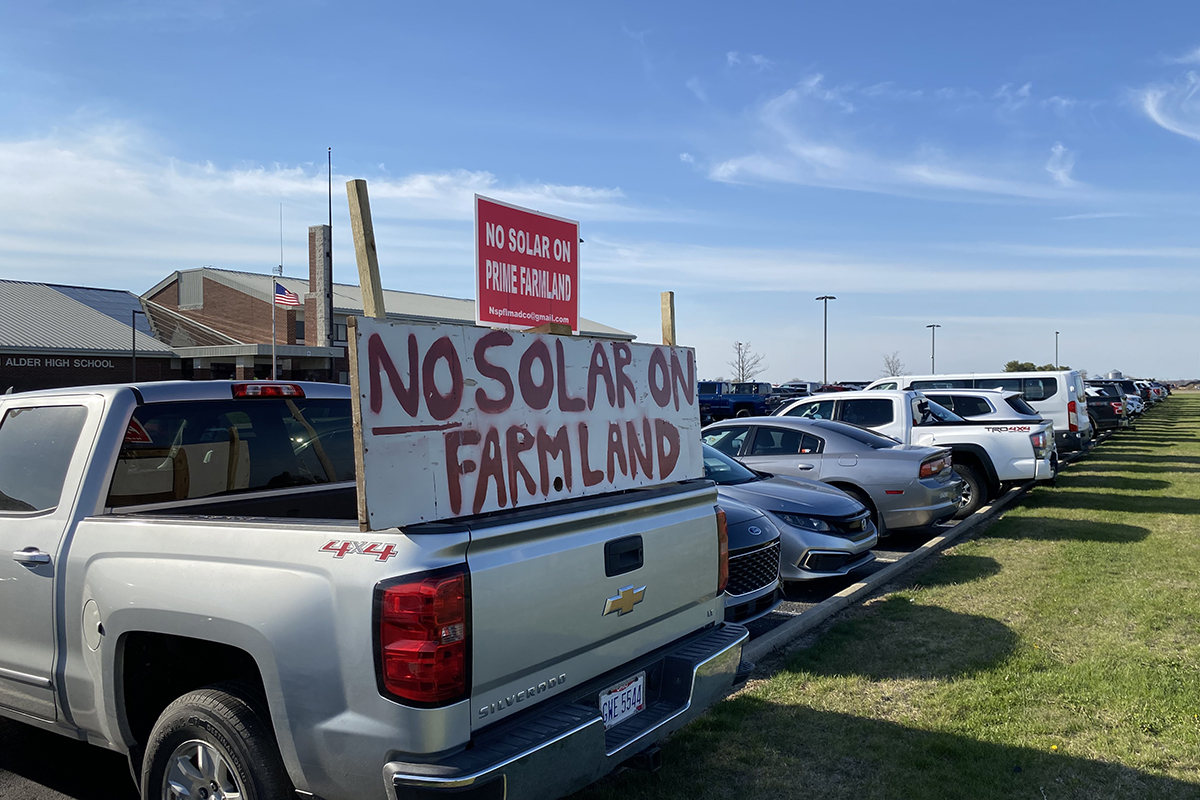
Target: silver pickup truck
184,580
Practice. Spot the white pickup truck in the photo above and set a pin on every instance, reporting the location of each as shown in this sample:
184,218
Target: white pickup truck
185,580
986,454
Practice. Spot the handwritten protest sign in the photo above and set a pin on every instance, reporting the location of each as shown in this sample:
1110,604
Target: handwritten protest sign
452,421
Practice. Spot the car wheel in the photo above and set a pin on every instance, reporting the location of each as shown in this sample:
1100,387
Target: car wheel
974,493
742,412
214,743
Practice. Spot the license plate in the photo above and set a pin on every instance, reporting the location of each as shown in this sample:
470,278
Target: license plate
619,703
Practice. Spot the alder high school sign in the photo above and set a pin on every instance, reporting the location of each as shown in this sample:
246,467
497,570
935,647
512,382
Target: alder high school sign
452,421
527,267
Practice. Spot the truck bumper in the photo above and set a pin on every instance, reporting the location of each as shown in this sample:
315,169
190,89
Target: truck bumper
554,751
1070,441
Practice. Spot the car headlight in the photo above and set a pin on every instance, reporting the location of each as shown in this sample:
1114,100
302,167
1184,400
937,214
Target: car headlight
807,523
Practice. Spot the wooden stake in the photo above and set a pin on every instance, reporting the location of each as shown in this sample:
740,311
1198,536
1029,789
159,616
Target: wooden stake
364,249
668,318
557,328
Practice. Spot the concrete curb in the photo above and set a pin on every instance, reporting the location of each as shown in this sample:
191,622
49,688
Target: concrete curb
776,640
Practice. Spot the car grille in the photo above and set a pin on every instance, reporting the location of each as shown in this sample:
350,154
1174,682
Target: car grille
854,528
752,571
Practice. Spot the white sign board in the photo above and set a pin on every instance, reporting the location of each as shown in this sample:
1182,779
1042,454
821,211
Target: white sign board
452,421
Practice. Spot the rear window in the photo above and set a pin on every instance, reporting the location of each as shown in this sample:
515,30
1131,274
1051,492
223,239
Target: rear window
1040,388
185,451
727,440
869,438
867,412
707,388
966,406
1020,406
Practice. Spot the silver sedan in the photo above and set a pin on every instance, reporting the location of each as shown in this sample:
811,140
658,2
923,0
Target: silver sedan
904,486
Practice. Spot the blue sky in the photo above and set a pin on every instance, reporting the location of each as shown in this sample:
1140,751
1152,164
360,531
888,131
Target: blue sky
1004,172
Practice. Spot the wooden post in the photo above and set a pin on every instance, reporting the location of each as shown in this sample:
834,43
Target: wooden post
557,328
668,318
364,249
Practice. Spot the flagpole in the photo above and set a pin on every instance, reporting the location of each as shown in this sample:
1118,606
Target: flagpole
274,295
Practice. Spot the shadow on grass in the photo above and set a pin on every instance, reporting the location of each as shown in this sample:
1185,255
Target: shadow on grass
1140,458
748,747
1077,481
37,758
1052,529
935,643
1111,501
1127,465
956,568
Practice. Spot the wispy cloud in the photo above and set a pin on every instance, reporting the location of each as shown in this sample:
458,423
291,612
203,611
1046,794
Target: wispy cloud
1059,104
1013,99
1061,162
1101,215
1175,107
687,158
760,62
104,202
797,144
796,270
695,87
1190,57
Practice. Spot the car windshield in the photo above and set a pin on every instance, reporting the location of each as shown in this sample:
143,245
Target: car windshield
723,470
875,441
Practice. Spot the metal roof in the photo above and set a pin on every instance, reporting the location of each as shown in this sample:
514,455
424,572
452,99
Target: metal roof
40,316
347,299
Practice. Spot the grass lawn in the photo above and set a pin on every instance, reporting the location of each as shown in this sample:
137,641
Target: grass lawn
1055,656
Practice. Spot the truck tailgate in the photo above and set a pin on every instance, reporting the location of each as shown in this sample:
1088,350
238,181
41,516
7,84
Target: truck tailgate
543,630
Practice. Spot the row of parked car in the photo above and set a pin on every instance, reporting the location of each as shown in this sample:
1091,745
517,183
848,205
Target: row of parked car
816,482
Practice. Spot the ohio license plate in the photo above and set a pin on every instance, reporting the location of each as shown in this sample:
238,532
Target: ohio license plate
619,703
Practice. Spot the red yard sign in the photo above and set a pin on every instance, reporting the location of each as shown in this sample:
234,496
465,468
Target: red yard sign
527,267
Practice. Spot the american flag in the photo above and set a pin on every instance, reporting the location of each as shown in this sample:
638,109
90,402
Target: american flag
285,298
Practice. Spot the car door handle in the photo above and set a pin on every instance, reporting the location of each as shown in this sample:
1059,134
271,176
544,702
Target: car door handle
804,467
31,557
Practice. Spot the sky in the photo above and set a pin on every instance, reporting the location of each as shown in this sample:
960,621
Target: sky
1004,171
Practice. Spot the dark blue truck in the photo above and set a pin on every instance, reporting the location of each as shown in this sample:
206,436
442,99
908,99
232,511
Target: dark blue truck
722,400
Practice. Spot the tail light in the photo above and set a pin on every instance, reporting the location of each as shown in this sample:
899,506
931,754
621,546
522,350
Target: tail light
934,466
1072,416
722,551
1039,441
1118,407
267,390
422,646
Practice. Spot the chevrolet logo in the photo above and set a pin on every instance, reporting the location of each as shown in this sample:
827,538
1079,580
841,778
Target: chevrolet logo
624,602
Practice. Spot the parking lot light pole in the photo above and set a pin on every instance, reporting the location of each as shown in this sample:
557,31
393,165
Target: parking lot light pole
1056,349
933,348
825,298
133,312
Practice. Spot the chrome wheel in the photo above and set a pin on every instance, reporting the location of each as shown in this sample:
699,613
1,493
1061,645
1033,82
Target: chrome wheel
198,771
965,500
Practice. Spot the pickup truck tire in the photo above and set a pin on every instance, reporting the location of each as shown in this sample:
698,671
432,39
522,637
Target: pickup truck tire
742,412
975,490
212,743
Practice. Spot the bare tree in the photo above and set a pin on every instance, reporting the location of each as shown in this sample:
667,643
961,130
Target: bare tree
746,363
892,365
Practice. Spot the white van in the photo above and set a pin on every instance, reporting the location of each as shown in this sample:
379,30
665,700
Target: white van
1058,396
